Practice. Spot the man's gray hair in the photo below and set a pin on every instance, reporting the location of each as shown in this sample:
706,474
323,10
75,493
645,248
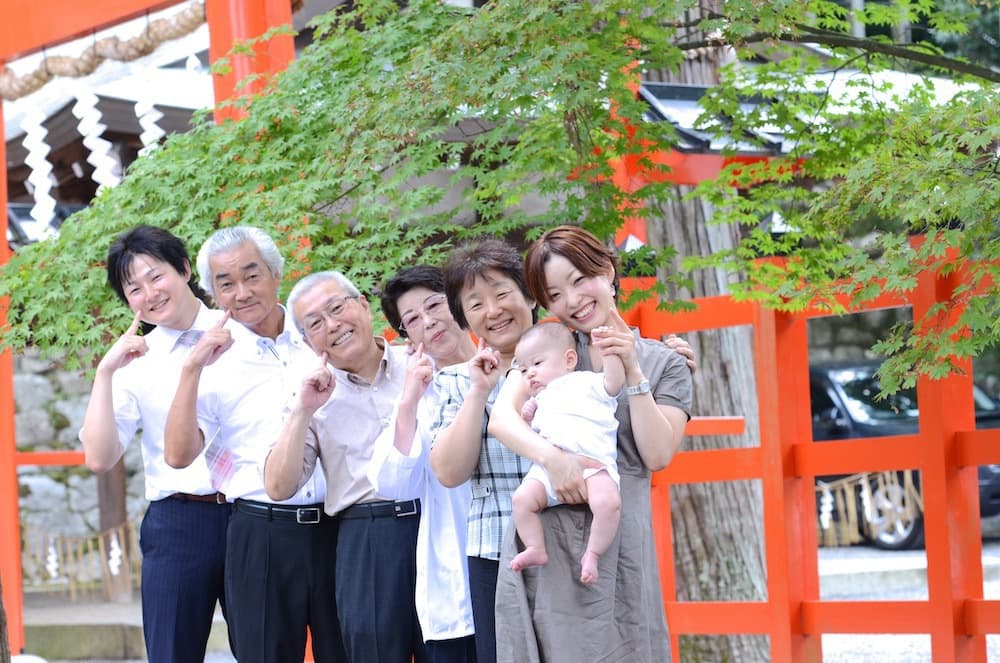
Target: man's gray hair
226,239
307,283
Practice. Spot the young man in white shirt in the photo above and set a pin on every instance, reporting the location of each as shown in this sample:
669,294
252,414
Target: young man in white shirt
183,534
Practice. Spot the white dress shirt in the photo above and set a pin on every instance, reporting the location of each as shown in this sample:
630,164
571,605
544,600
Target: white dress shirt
241,403
142,392
442,591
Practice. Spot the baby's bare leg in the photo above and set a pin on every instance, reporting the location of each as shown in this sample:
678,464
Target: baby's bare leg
528,501
606,504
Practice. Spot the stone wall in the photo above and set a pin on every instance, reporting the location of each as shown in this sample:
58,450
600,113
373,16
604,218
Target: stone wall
49,404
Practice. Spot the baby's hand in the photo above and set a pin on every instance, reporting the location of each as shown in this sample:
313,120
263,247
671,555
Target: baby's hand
528,410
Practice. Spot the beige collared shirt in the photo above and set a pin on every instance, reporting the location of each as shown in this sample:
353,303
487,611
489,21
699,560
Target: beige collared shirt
342,433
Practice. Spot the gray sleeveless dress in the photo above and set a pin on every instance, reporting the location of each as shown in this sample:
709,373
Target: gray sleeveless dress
544,614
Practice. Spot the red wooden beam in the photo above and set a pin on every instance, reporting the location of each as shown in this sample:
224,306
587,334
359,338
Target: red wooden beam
26,27
49,458
718,617
712,465
868,454
977,447
981,616
867,617
715,426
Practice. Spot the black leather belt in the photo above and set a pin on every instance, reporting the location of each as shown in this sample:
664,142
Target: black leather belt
212,498
310,514
382,510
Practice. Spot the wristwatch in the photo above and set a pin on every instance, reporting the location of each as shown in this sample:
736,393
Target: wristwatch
639,389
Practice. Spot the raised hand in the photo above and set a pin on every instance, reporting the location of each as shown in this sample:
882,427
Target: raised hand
317,387
616,339
213,342
683,348
484,368
419,371
129,346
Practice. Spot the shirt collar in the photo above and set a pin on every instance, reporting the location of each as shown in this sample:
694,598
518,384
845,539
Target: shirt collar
165,338
290,334
386,367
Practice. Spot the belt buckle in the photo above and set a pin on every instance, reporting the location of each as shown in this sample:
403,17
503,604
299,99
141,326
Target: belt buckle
307,516
399,513
220,498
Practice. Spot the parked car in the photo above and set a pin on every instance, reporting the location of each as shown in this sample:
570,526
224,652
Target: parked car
844,406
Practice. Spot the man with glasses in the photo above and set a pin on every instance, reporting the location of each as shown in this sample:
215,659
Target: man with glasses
340,409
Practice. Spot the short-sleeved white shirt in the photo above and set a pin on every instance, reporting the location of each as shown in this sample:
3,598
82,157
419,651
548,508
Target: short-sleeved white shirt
241,404
142,392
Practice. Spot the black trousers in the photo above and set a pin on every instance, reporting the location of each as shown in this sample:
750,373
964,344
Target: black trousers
183,547
279,581
456,650
376,581
483,592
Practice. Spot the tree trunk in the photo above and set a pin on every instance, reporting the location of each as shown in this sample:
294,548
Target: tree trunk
4,644
718,527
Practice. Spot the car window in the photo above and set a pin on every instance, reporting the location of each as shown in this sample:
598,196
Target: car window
860,388
820,399
985,404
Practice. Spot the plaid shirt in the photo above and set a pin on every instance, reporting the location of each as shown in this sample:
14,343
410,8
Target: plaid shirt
498,473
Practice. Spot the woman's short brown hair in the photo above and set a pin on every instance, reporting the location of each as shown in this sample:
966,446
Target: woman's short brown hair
587,253
471,261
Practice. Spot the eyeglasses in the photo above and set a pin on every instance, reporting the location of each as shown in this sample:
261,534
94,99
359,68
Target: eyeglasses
434,307
334,310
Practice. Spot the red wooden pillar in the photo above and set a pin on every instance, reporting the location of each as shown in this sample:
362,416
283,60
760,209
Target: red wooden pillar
781,354
951,496
233,21
10,542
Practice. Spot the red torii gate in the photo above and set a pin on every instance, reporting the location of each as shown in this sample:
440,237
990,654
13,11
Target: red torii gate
26,28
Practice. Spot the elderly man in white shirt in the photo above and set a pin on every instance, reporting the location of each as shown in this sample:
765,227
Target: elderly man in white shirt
340,410
414,303
183,534
280,571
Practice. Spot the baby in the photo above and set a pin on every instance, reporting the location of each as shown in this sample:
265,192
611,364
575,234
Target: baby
576,412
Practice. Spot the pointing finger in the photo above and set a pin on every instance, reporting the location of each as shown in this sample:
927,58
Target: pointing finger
134,327
224,319
324,360
617,321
